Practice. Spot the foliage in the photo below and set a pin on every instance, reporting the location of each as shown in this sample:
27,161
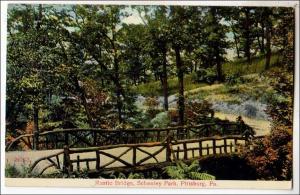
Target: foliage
281,103
197,112
21,171
207,75
184,171
233,79
272,157
161,120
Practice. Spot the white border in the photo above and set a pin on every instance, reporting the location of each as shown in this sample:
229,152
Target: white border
30,190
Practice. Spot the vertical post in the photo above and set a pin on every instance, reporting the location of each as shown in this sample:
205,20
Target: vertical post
97,160
56,141
200,149
207,131
36,140
47,142
225,146
87,165
214,146
158,136
177,153
78,163
185,154
36,130
58,163
231,147
168,148
235,145
193,153
95,138
134,155
145,136
207,149
67,162
66,138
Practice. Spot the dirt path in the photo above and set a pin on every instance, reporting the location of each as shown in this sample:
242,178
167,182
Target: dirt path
261,127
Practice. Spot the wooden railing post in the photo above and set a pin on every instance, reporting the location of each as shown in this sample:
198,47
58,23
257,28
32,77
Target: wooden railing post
97,160
134,156
36,140
66,138
225,146
207,149
158,136
185,154
168,147
200,149
78,163
95,138
67,165
214,146
235,145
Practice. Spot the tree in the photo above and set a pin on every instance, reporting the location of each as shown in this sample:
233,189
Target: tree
158,35
178,25
30,61
216,43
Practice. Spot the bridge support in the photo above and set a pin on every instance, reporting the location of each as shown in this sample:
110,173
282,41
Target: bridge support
67,165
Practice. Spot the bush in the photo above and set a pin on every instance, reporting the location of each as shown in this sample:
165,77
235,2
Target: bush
207,75
161,120
272,156
196,112
11,171
233,79
184,171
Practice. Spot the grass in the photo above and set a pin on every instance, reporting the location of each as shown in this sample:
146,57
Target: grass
219,91
257,65
154,88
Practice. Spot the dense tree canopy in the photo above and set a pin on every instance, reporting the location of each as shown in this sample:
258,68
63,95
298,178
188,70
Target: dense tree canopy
76,65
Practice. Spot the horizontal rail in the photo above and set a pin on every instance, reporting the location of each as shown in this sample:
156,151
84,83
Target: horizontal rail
131,135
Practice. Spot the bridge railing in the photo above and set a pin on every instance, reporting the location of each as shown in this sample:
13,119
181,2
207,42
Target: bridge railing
77,138
142,155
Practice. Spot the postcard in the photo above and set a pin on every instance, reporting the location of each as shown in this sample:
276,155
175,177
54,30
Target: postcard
150,95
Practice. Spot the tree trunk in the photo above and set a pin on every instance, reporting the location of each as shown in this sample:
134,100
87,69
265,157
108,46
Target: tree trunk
118,89
35,119
247,35
165,80
236,45
180,74
268,44
36,130
84,101
262,37
219,65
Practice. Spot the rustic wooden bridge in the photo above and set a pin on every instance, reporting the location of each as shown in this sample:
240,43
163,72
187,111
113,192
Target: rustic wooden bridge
80,138
141,156
98,150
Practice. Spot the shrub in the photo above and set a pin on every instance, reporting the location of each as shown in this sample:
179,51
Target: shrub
12,171
207,75
184,171
161,120
272,157
233,79
196,112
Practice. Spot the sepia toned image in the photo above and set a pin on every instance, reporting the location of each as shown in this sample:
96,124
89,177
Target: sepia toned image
173,96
